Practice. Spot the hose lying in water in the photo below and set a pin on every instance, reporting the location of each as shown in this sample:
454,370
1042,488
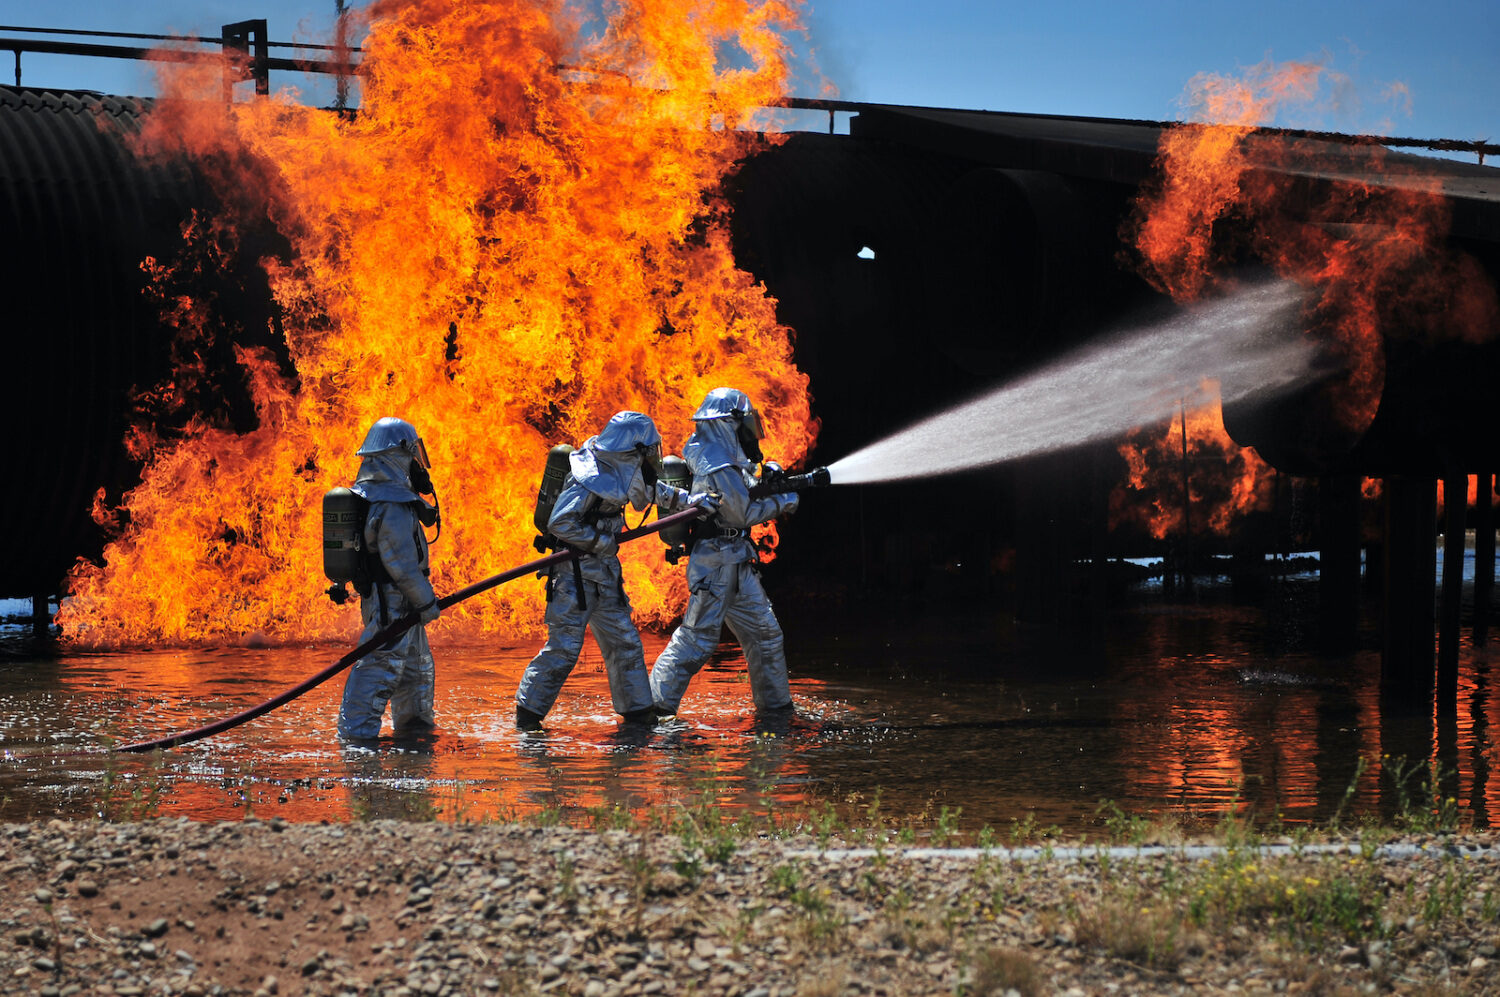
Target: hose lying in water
390,633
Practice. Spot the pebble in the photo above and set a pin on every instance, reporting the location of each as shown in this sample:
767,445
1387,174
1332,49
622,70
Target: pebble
426,908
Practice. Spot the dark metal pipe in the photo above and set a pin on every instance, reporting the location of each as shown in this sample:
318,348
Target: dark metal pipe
158,54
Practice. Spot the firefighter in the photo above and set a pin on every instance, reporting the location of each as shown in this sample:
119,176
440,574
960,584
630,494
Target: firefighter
723,572
619,466
393,473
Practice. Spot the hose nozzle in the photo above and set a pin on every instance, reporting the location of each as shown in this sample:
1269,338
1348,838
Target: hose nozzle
779,484
818,477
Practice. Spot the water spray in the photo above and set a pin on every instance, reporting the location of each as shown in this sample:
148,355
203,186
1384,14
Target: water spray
1250,342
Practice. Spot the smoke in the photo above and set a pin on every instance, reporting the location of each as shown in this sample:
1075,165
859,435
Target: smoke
1248,342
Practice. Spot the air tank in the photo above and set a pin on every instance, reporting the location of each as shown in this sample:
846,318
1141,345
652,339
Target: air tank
674,471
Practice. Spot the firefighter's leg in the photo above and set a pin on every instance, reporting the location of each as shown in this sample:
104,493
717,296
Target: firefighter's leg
754,625
624,657
411,703
694,641
368,688
545,676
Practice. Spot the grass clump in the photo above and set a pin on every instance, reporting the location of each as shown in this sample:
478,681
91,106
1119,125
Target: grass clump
1311,905
1002,969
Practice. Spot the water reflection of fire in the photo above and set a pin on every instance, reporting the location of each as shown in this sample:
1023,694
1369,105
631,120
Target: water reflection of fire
1372,243
500,250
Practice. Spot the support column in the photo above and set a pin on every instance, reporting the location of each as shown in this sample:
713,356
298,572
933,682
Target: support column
41,618
1455,506
1100,485
1338,563
1484,556
1040,556
1408,598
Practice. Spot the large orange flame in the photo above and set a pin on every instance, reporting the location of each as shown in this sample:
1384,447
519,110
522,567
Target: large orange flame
1192,480
1372,242
516,236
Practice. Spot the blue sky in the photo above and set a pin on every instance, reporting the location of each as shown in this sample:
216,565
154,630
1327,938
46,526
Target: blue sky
1425,70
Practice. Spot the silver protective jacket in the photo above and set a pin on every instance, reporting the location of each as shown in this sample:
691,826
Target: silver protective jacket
718,464
590,510
401,674
724,586
588,521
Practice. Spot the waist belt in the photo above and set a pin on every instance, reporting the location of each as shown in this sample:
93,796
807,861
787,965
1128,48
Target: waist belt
732,532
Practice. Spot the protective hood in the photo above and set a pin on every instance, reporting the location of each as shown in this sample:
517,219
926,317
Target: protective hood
731,403
715,444
386,477
390,433
626,431
609,465
614,477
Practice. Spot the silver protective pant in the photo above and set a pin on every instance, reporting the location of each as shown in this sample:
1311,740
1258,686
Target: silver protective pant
606,614
402,675
724,594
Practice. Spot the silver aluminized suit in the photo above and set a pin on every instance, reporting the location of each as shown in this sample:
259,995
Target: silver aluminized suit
402,674
605,474
723,577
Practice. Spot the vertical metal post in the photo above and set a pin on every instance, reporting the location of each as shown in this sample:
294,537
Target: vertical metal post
1338,562
1187,508
341,53
1484,555
41,617
1455,505
1409,577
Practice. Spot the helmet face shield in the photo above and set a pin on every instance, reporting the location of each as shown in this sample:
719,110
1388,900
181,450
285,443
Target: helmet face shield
420,453
650,462
651,456
749,435
751,421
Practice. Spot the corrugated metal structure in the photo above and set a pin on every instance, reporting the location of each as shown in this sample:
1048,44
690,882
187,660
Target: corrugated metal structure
80,212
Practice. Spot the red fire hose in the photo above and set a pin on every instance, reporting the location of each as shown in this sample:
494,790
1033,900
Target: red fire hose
389,634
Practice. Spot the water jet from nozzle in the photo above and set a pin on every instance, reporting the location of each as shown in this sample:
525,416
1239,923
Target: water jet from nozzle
1249,341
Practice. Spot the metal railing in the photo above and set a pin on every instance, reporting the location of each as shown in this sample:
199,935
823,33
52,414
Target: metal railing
242,46
248,49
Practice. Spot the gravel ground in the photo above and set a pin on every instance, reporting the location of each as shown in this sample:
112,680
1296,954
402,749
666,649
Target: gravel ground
177,907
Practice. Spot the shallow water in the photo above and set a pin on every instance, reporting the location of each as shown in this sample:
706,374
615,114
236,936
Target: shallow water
1183,707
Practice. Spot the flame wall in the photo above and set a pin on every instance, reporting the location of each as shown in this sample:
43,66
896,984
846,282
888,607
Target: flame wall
499,248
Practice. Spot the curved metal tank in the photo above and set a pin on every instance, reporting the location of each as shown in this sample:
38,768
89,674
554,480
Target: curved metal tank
79,212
